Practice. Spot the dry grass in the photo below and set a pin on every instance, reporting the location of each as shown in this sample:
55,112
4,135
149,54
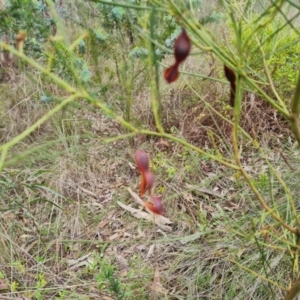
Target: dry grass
60,210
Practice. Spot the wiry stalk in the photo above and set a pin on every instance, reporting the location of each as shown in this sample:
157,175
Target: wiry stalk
295,111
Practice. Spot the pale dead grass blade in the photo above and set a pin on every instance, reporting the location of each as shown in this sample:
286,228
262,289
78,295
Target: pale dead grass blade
150,251
88,192
156,285
158,220
13,298
83,261
161,219
3,285
122,263
190,238
204,190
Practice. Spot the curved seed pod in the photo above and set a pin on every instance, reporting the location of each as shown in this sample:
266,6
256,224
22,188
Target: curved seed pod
157,206
182,47
232,79
147,182
142,161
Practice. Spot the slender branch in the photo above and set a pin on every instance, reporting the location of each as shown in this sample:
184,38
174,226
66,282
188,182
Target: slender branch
257,275
286,189
280,109
63,84
295,110
4,148
153,72
270,78
239,164
263,203
39,122
3,156
125,5
192,147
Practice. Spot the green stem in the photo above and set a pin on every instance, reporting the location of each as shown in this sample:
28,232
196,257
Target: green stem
257,275
295,110
4,148
237,109
282,110
120,4
3,156
192,147
155,101
63,84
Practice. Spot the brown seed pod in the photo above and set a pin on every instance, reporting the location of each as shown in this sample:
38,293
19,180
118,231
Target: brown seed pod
182,47
232,79
142,161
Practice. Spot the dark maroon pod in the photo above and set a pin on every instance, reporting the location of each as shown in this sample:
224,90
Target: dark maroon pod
182,47
171,74
232,79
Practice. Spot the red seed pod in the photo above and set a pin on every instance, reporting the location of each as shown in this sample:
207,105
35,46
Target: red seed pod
232,79
182,47
171,74
147,182
142,161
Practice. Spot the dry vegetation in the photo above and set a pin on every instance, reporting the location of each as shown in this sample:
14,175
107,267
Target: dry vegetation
63,233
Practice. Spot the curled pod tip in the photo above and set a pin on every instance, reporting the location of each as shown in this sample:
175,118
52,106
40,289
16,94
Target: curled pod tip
156,207
171,74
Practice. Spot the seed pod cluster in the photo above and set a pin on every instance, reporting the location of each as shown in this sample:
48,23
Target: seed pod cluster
142,161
